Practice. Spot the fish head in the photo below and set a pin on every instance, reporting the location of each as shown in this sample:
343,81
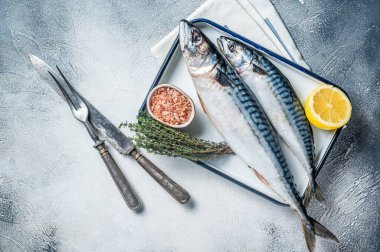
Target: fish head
199,54
240,56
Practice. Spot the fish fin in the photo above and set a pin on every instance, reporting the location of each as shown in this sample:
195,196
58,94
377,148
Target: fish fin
261,178
310,194
261,72
307,196
202,104
318,194
265,181
224,79
322,231
309,236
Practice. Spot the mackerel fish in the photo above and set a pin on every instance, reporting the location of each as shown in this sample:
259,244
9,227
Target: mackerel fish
280,103
241,121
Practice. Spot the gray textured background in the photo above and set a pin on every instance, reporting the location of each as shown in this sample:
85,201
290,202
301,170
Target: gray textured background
56,195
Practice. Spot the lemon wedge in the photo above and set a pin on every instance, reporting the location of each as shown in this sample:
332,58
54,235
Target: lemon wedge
328,107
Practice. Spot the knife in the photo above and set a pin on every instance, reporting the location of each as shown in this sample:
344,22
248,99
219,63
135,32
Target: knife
114,136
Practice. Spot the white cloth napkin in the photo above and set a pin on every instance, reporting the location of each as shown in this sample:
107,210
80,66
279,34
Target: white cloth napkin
256,20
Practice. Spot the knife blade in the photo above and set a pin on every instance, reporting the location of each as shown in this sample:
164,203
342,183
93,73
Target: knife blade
113,135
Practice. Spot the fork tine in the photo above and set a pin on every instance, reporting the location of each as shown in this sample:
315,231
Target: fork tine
67,97
69,85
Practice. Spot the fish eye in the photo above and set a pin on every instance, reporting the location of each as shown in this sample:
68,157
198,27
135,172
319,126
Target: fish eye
231,46
196,37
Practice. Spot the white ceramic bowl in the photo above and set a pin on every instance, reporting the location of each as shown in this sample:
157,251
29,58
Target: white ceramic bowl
180,126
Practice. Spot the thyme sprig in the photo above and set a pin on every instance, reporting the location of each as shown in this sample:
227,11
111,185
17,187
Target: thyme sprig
160,139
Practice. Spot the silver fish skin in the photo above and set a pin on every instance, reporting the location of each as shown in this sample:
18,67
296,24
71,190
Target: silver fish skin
280,103
235,113
239,118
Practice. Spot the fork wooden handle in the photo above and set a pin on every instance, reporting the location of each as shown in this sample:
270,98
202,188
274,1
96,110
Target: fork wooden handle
175,190
120,180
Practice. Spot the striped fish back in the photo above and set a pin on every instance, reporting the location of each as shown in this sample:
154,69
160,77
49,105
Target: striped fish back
257,118
284,91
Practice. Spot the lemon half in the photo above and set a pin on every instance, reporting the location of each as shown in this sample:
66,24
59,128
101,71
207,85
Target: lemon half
328,107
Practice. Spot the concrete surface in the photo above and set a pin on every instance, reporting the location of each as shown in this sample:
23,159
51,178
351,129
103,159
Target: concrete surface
55,193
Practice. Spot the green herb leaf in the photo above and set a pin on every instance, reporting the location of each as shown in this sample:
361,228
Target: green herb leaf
160,139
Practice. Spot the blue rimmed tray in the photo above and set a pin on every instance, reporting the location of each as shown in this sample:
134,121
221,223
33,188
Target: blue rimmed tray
173,71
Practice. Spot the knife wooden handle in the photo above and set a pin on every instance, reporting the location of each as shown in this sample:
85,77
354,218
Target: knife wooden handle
120,180
175,190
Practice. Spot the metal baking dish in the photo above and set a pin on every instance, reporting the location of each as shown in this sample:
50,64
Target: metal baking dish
173,71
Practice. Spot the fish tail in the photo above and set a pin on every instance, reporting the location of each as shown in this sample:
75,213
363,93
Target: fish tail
310,193
318,194
311,228
309,233
307,195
